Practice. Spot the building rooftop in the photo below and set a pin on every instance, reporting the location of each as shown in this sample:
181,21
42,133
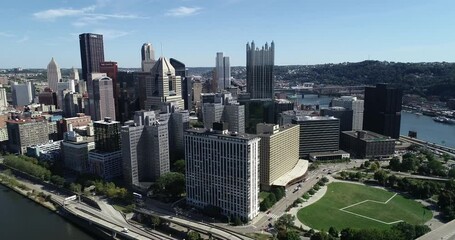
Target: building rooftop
225,133
298,171
315,118
368,136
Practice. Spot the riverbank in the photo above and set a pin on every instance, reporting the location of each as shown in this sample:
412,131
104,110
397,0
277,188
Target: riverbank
32,192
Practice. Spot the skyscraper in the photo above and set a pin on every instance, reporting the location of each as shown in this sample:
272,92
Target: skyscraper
222,171
92,53
111,70
222,71
103,99
23,94
145,148
186,83
165,88
74,74
259,71
53,74
382,112
148,57
354,104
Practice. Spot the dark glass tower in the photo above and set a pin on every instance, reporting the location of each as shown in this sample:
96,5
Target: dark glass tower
187,85
259,71
382,113
92,53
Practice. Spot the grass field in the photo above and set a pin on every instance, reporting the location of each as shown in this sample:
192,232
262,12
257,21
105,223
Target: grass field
357,206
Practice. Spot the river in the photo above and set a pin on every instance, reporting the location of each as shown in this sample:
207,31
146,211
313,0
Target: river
427,129
21,218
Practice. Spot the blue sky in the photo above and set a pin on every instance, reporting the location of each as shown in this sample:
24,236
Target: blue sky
192,31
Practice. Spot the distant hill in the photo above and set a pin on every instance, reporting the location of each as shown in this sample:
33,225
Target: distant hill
435,78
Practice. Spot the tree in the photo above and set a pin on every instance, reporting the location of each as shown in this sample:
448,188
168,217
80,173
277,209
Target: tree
358,175
395,164
421,230
278,192
285,222
407,230
373,167
446,157
409,162
171,183
292,235
192,235
155,221
333,232
265,205
179,166
320,236
74,187
237,221
451,173
391,180
57,180
380,176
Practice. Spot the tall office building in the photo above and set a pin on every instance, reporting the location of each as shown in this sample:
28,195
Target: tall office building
197,91
165,88
3,99
111,70
178,123
74,74
145,148
92,53
354,104
259,71
318,134
47,97
72,104
148,57
222,171
234,115
23,94
222,71
106,160
279,152
345,116
75,149
53,74
102,103
186,83
382,112
23,133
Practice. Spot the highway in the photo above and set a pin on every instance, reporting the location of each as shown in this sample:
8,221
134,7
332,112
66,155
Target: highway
432,146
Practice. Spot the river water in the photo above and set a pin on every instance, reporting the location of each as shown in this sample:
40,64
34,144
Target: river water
21,218
427,129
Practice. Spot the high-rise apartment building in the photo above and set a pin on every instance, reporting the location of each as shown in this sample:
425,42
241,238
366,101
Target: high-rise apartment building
92,53
147,57
75,149
222,171
72,104
279,151
145,148
53,75
234,115
382,112
318,134
165,88
222,71
102,103
259,71
178,123
47,97
354,104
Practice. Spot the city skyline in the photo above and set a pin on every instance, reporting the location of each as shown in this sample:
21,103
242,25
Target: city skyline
306,32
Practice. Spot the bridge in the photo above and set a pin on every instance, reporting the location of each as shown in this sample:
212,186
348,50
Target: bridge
325,90
432,146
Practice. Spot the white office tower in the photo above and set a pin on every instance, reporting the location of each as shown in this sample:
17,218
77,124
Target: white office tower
74,74
222,71
72,85
145,148
165,87
222,170
354,104
22,94
148,57
3,99
53,75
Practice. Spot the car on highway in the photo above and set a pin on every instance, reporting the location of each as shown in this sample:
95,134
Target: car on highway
125,230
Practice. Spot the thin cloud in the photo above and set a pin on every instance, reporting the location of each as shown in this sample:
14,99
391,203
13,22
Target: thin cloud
111,34
23,39
5,34
52,14
183,11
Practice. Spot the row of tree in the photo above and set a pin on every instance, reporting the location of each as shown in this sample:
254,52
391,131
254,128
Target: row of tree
276,194
400,231
28,166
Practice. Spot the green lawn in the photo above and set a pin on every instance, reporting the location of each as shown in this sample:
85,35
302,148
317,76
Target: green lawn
326,212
